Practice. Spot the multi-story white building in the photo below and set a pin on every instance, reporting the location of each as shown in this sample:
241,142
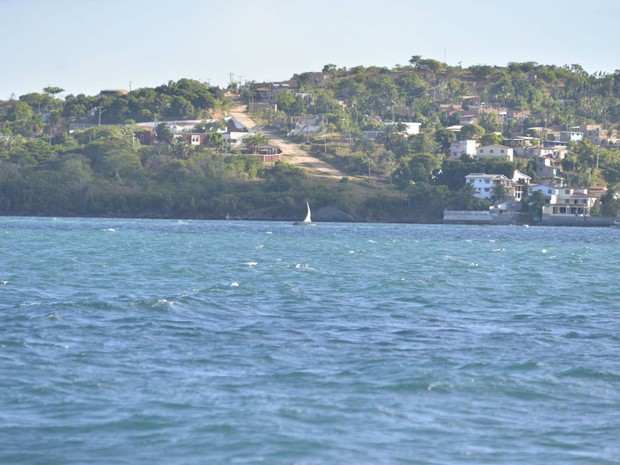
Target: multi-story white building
484,184
520,181
564,200
463,147
570,201
495,151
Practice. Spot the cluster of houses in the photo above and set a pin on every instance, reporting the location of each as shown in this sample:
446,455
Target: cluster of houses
232,131
563,204
548,149
560,199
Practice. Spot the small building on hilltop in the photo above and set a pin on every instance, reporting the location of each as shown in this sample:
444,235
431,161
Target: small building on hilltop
113,92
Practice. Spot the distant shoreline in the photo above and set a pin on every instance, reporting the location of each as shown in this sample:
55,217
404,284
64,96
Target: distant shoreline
581,222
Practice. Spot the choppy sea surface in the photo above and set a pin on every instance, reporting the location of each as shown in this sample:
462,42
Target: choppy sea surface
197,342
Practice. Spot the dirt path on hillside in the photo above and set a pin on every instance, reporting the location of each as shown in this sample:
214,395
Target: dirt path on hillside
292,152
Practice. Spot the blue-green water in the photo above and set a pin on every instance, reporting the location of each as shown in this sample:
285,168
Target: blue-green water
196,342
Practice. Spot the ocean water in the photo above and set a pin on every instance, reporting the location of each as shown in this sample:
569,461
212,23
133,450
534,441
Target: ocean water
198,342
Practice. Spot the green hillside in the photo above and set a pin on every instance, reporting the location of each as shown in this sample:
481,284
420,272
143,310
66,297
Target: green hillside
82,155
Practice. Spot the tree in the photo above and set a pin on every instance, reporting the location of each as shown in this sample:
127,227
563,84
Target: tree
533,205
444,138
491,138
20,112
283,176
423,167
426,64
471,132
23,120
164,135
610,205
488,121
53,90
499,193
425,143
180,107
257,138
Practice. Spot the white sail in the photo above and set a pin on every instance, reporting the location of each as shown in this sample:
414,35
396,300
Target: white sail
308,218
307,221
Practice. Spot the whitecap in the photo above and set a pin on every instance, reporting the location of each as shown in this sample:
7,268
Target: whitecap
250,263
371,241
162,303
110,230
543,251
438,385
499,250
234,284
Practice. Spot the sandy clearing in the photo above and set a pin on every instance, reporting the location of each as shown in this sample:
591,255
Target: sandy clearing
292,152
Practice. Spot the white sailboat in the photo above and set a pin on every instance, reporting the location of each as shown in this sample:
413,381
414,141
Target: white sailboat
307,220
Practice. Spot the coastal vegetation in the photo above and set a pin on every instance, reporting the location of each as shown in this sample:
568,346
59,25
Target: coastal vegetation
84,155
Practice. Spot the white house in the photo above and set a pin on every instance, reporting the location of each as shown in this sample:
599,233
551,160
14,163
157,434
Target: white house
232,131
520,181
463,147
306,124
549,191
484,184
411,129
554,152
564,200
571,136
570,201
495,151
520,177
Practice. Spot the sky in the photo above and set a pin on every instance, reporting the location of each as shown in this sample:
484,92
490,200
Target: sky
85,46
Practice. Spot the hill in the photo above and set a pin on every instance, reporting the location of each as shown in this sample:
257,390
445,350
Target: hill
389,132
